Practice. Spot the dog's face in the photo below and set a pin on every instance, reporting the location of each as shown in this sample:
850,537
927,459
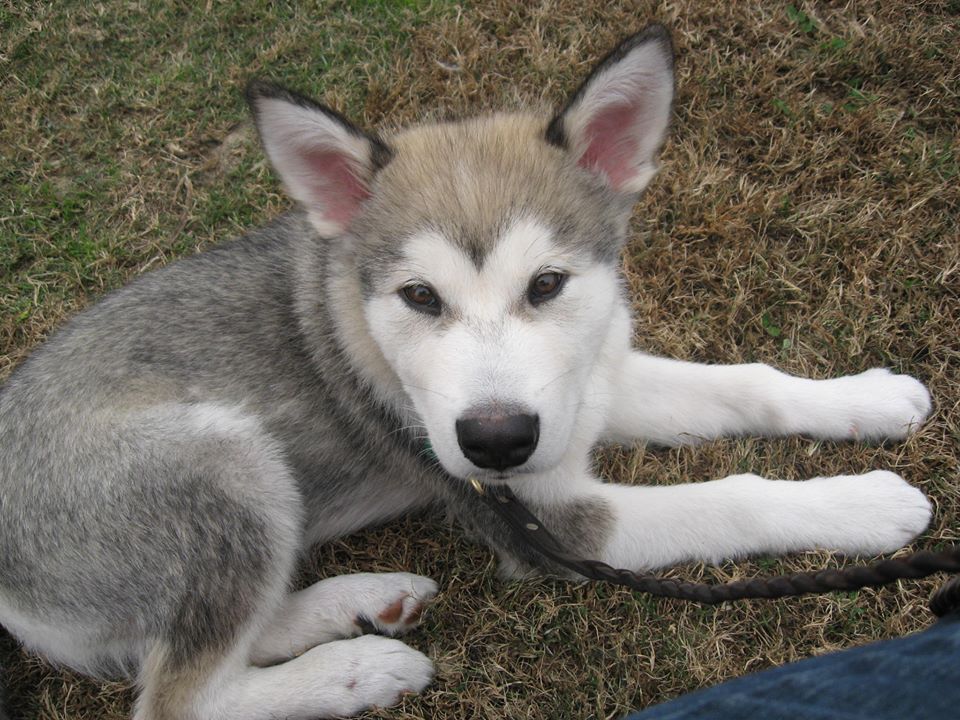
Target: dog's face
486,251
489,267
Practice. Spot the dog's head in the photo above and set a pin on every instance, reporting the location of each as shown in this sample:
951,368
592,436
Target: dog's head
485,253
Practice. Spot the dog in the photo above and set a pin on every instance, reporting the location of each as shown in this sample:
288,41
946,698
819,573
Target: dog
444,304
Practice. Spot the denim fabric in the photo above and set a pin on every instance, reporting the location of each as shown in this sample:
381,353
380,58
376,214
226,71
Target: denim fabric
909,678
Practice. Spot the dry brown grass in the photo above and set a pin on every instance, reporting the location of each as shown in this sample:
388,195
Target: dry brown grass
806,216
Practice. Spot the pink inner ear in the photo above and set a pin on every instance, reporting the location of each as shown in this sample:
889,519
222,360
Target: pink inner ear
337,190
612,149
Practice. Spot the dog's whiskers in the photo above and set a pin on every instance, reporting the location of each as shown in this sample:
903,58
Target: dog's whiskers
558,377
426,389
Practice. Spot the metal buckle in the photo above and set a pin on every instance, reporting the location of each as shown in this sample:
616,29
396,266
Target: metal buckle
476,485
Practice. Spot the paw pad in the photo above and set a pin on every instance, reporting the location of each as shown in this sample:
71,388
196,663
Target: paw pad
392,613
415,614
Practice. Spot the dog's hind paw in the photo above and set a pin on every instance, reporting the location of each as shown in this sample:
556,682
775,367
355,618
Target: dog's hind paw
378,672
343,607
392,603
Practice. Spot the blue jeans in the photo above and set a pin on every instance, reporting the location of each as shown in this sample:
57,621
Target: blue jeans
913,677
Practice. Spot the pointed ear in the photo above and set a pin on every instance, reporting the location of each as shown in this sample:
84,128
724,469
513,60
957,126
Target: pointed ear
617,120
325,162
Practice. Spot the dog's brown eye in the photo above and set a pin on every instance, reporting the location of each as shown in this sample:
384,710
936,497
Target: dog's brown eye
545,286
421,298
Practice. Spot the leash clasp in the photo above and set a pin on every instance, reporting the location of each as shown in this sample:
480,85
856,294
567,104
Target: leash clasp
476,485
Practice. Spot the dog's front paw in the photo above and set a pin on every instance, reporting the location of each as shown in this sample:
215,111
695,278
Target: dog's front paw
878,405
877,512
372,671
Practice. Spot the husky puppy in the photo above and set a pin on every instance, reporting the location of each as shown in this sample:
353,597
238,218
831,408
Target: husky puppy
166,456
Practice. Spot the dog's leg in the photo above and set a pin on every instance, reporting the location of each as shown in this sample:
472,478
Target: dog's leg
673,402
234,513
747,515
337,679
342,607
650,527
195,561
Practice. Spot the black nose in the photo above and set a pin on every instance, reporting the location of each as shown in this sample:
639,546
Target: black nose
498,441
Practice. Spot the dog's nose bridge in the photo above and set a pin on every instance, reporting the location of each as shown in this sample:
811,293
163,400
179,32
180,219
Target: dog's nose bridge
488,332
495,355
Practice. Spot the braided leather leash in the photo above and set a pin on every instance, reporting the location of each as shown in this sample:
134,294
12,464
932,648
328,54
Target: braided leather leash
528,528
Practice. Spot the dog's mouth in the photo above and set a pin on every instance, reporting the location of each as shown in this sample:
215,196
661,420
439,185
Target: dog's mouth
497,477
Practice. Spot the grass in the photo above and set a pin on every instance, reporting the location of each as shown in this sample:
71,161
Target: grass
806,216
